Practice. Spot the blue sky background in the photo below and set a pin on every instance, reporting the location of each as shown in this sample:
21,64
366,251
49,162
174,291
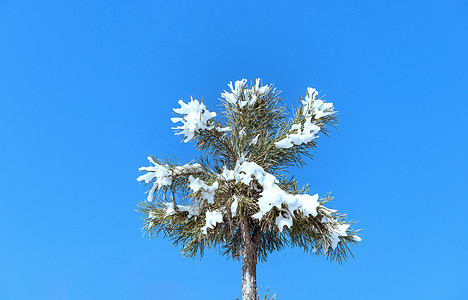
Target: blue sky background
86,93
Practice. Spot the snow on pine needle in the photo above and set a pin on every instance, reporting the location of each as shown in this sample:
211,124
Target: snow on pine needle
196,118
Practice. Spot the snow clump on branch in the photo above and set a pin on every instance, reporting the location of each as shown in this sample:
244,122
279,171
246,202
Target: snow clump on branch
272,195
161,175
195,119
316,108
172,208
207,192
298,136
241,95
211,219
313,109
336,230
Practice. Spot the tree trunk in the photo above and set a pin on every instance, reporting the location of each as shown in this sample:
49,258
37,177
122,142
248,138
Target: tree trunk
249,262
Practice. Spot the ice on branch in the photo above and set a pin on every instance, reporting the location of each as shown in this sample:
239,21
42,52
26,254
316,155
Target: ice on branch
272,195
211,219
315,108
298,135
207,191
241,95
161,175
195,119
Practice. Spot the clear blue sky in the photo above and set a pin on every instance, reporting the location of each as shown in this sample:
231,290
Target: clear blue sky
86,93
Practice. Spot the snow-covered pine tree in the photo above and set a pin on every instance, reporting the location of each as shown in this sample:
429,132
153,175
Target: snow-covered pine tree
238,197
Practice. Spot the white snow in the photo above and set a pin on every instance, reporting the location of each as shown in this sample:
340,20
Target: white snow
236,91
336,231
254,140
284,143
242,132
157,171
316,108
223,129
309,204
186,168
234,205
193,211
163,175
259,90
171,209
282,221
246,171
313,109
227,174
212,218
151,192
207,191
241,95
298,136
195,119
160,172
272,194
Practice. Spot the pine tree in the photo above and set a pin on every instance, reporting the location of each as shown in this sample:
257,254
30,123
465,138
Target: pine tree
239,197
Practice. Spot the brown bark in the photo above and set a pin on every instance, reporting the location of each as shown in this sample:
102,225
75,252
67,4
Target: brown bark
249,260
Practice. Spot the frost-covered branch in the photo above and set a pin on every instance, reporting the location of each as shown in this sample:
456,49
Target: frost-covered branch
308,121
194,117
162,175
